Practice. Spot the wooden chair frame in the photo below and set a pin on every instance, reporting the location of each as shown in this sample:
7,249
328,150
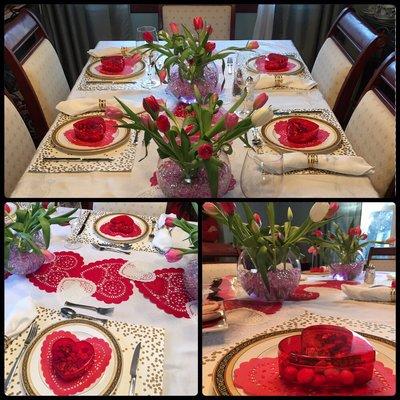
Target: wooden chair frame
17,33
233,17
365,41
381,251
212,251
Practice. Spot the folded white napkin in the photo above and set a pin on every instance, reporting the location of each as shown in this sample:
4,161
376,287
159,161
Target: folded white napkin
107,51
291,81
162,240
75,107
19,317
366,293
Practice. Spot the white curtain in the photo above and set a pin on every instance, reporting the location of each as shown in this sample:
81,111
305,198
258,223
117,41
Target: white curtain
264,22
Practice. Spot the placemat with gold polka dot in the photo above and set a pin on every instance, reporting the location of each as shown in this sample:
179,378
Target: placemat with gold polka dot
151,364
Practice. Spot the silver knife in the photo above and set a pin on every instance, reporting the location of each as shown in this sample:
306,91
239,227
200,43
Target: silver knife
112,82
78,159
134,365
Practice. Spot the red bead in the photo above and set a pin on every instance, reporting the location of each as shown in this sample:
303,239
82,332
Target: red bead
361,375
305,376
346,377
319,380
290,373
332,375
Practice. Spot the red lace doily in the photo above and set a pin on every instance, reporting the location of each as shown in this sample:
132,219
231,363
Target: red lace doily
260,377
301,294
280,129
126,71
167,291
111,286
102,356
266,308
48,276
111,129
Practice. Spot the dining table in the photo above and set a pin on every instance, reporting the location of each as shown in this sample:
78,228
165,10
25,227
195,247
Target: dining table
137,180
319,300
151,301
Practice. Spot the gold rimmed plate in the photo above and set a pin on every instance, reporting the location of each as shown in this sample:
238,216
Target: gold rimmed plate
32,375
271,137
62,143
143,225
267,346
297,68
91,71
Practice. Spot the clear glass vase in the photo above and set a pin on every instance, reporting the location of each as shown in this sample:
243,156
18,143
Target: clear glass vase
191,279
346,270
175,182
182,88
281,281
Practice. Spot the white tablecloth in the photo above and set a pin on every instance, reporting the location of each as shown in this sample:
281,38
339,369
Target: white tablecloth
136,182
180,368
369,317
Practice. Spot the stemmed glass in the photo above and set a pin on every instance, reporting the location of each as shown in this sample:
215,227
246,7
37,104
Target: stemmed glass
71,242
149,82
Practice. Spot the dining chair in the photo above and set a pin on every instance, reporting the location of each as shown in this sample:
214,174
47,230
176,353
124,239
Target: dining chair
37,69
382,258
18,146
372,127
148,208
220,17
215,252
347,50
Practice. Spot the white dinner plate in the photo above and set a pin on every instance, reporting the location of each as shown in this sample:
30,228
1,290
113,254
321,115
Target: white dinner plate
296,69
32,375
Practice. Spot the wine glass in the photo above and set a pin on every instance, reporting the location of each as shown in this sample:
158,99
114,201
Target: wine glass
262,174
71,242
149,58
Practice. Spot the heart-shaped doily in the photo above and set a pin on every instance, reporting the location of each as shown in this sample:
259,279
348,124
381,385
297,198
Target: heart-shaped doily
111,286
67,264
75,289
167,291
130,271
60,387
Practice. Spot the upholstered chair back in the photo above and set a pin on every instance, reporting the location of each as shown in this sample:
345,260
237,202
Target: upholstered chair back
150,208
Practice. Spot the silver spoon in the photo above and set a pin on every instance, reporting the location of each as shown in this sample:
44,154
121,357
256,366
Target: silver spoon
70,313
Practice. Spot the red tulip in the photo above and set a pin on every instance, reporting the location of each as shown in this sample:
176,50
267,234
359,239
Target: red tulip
312,250
148,37
260,100
209,47
150,104
356,231
209,30
173,255
333,208
364,236
163,124
205,151
113,112
162,74
253,44
257,219
228,208
7,208
146,120
318,233
169,222
198,23
210,209
174,28
231,121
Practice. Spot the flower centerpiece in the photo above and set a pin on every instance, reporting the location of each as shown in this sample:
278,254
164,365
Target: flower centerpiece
193,152
268,267
189,58
28,236
346,247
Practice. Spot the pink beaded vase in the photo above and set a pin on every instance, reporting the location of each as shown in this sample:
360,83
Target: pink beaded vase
281,280
348,271
175,182
182,89
191,279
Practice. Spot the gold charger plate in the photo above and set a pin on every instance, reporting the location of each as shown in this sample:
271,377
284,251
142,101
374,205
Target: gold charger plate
140,221
298,70
257,347
59,142
93,73
27,368
265,133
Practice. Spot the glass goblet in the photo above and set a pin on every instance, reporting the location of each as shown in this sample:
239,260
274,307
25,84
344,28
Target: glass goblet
149,58
71,242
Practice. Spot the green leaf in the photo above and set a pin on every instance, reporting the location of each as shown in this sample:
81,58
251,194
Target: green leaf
248,212
211,167
45,225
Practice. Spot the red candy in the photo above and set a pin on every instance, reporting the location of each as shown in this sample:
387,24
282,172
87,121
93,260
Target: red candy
290,373
305,376
361,375
319,380
346,377
332,375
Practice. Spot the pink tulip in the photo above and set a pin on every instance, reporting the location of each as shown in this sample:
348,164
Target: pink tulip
169,222
253,44
209,30
312,250
174,28
257,218
260,100
134,59
231,121
173,255
333,208
146,121
113,112
163,124
162,74
210,209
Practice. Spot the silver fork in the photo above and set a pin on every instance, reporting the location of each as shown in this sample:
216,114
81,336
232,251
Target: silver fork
96,246
32,333
99,310
123,246
153,225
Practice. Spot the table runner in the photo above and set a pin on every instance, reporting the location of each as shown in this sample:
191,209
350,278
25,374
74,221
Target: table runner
128,336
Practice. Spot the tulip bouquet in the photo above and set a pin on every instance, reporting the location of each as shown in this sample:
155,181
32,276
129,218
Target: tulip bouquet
196,143
189,52
269,246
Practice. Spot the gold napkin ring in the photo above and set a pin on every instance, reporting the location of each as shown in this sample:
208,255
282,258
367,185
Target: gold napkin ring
312,160
102,104
393,295
124,51
278,80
